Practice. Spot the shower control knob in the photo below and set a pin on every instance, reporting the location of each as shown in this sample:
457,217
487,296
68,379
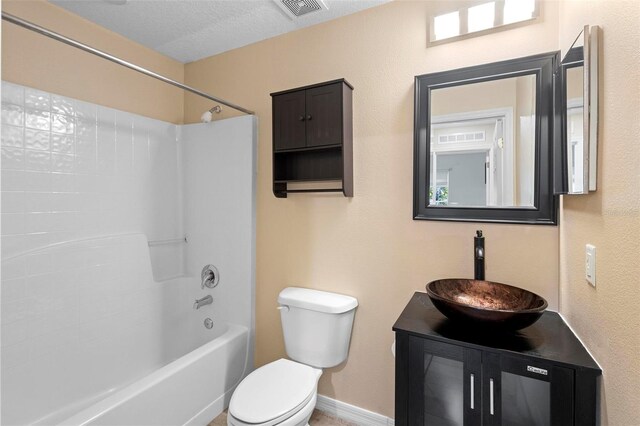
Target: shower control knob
210,276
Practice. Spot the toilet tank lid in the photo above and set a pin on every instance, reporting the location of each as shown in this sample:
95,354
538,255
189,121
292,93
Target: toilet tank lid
316,300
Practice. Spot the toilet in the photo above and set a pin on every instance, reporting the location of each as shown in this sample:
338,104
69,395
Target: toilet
317,331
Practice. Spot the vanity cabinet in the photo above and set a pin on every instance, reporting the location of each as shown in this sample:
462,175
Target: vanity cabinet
312,137
447,374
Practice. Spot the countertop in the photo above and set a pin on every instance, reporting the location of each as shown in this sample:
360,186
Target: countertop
549,338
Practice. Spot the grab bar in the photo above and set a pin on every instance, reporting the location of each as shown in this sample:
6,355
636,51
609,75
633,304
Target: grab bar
153,243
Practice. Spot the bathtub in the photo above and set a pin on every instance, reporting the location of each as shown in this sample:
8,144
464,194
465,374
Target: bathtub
191,390
108,345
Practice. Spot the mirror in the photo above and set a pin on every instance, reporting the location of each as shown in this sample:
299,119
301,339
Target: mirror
483,143
580,119
482,150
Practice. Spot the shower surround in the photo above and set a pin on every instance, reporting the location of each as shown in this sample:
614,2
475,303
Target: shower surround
94,320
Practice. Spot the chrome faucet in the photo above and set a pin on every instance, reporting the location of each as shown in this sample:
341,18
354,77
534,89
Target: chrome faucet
478,256
199,303
210,276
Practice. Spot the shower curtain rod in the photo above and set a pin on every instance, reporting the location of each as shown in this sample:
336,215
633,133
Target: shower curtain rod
41,30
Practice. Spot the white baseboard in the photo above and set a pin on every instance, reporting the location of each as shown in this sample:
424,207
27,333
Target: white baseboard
351,413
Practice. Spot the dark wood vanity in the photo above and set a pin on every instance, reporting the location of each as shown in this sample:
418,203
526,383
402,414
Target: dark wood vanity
451,374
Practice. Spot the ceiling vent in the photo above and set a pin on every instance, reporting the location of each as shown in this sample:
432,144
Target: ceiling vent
298,8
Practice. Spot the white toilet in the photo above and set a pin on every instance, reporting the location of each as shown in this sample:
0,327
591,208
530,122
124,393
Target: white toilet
317,332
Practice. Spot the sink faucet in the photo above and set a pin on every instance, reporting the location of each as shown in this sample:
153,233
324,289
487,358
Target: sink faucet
478,256
199,303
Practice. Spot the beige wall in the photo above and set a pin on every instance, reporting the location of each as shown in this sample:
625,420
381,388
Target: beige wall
475,97
36,61
607,318
369,246
525,135
575,83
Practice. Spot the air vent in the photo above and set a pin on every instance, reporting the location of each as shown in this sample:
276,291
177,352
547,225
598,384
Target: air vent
297,8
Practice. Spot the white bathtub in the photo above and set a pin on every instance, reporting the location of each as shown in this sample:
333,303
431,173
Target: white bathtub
88,336
108,345
191,390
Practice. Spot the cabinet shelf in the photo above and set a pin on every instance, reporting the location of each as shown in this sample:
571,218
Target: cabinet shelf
312,138
301,191
309,148
309,180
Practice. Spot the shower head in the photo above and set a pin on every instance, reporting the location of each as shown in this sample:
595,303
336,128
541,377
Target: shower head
207,116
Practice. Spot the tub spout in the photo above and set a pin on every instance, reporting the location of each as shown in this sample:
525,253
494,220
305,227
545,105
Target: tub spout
199,303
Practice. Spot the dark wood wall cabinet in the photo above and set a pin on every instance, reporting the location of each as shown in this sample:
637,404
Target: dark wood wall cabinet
313,137
448,374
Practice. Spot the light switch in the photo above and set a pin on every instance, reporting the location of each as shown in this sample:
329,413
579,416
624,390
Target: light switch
590,264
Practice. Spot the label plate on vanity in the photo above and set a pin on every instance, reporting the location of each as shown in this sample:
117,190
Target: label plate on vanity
537,370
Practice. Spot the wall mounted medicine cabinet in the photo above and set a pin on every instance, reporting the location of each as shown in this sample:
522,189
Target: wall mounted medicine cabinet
312,139
577,125
483,143
447,374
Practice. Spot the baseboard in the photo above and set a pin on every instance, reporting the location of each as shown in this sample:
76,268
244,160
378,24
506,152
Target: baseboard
351,413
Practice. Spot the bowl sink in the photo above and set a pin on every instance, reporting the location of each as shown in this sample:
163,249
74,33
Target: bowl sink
486,303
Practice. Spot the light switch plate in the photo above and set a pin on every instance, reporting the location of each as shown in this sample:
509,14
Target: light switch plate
590,264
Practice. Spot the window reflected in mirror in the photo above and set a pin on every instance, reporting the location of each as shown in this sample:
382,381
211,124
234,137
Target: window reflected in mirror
483,144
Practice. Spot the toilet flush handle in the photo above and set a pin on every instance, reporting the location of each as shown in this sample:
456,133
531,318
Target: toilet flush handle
283,307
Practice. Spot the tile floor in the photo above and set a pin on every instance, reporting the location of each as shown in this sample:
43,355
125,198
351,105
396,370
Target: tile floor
317,419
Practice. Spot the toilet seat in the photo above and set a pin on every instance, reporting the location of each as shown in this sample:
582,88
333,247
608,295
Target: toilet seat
273,393
296,418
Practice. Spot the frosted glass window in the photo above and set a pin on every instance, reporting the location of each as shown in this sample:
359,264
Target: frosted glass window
484,16
481,17
518,10
447,25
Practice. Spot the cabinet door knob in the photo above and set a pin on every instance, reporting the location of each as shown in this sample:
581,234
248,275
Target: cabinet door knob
309,117
301,118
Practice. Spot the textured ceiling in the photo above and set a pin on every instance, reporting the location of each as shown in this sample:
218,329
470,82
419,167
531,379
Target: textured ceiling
188,30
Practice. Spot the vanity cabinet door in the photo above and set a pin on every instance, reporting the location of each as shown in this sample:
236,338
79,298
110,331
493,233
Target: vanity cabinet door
444,387
524,392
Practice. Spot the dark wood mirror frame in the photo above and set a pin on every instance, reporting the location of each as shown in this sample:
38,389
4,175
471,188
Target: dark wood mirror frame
544,210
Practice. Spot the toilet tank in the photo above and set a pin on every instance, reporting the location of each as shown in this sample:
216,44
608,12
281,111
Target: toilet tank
316,325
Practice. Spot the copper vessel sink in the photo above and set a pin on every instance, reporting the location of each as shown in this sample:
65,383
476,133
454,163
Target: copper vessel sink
486,303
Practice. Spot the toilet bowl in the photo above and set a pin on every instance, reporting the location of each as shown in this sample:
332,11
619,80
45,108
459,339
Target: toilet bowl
283,392
317,332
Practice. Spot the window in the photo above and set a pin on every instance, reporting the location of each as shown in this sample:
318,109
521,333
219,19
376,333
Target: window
485,16
518,10
481,17
447,25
